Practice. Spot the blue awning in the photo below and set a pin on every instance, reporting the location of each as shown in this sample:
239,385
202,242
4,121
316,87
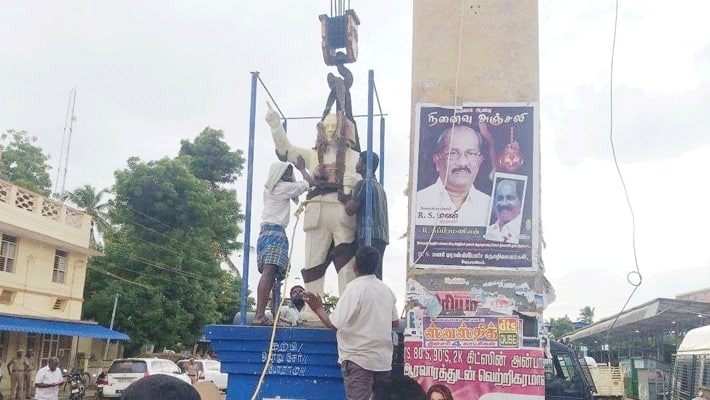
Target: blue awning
59,327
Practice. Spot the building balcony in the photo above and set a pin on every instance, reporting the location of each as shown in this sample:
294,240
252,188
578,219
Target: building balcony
28,214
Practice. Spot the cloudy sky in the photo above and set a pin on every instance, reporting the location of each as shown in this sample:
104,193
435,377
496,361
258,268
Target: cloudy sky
150,74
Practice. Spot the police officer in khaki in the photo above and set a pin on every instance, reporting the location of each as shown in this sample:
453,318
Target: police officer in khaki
30,374
17,367
192,371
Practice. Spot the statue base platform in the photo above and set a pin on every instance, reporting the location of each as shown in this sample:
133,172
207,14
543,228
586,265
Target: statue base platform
304,361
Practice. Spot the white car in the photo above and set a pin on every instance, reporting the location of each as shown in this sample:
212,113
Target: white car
208,371
125,371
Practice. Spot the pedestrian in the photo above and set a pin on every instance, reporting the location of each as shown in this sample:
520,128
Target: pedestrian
30,373
363,319
160,387
17,367
192,371
48,380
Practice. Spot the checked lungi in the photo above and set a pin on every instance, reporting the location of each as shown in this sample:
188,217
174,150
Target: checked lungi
272,248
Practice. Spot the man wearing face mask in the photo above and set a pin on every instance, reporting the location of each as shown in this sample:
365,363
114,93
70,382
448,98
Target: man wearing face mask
506,205
290,313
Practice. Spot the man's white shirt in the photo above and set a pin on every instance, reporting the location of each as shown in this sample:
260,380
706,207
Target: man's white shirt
508,233
434,207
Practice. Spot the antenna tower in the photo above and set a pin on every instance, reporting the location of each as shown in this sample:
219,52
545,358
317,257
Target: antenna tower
66,138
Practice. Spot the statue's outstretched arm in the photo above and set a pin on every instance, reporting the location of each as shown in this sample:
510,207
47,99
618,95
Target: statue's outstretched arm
284,146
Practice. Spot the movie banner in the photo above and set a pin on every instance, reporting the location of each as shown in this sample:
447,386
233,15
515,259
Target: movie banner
477,373
475,194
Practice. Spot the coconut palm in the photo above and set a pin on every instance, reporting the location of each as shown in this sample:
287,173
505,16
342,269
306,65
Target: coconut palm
586,315
91,202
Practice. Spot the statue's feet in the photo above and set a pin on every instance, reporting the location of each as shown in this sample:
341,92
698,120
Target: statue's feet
311,324
308,318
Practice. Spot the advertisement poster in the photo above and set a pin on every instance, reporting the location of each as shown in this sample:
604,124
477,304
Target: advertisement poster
468,333
475,358
475,295
475,197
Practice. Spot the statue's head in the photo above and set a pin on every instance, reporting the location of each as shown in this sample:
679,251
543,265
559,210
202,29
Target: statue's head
329,125
334,127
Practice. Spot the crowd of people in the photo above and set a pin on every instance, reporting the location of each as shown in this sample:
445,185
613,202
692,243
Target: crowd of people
28,383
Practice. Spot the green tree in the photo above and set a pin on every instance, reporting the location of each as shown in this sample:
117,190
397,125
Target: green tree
92,202
330,300
163,256
560,327
23,163
211,159
586,315
228,298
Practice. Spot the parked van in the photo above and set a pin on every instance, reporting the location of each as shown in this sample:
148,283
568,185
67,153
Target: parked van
566,376
691,367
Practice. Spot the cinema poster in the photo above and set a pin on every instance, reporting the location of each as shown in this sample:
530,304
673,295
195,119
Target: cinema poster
475,358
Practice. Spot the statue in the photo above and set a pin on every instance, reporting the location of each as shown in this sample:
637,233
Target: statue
330,232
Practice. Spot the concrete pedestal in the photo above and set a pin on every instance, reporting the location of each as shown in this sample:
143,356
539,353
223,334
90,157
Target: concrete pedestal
304,362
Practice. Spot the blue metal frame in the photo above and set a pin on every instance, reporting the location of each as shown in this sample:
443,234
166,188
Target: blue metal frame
250,169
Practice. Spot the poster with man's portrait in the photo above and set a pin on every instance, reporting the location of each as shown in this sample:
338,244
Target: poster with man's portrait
506,213
459,155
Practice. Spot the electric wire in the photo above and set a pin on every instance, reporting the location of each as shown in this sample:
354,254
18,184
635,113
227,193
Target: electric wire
94,268
153,263
165,235
637,272
141,273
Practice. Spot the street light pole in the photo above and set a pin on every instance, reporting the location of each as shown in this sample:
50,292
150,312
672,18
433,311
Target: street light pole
113,315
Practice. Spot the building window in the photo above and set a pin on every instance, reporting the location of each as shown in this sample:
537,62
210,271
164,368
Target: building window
59,304
60,267
8,250
6,296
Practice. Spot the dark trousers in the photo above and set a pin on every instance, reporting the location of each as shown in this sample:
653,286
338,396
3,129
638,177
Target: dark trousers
362,384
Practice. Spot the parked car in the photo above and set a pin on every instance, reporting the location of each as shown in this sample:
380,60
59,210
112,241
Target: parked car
125,371
208,371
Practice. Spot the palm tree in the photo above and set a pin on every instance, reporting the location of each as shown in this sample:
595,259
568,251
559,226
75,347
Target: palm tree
91,202
586,315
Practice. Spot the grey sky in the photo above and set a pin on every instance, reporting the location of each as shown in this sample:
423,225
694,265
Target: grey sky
151,74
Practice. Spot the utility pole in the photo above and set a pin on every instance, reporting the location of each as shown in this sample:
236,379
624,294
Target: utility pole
113,315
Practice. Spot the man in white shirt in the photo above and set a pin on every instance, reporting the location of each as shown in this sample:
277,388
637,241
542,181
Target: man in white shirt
290,313
506,205
364,318
452,199
47,380
272,246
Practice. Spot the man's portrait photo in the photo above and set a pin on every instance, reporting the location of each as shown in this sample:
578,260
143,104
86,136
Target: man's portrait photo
458,156
507,208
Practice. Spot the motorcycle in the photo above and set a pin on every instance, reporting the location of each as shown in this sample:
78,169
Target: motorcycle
77,387
100,382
